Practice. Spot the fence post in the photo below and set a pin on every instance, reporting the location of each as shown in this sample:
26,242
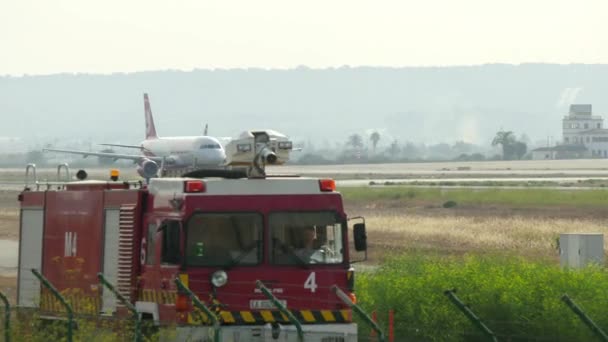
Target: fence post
281,308
470,315
372,334
201,306
56,293
586,319
359,311
7,318
125,302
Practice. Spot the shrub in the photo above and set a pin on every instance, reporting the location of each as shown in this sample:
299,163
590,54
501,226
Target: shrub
449,204
519,300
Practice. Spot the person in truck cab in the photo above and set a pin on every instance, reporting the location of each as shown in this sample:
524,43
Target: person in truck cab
308,246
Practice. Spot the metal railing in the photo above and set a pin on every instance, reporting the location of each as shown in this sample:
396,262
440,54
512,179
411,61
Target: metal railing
356,308
201,306
45,282
451,294
7,318
137,337
586,319
31,168
281,308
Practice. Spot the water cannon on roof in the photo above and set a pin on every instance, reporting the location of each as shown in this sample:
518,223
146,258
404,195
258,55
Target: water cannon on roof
255,149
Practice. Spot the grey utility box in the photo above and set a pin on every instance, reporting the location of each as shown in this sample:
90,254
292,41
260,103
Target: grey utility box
578,250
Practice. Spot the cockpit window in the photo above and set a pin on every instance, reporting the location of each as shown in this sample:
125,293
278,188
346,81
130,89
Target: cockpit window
210,147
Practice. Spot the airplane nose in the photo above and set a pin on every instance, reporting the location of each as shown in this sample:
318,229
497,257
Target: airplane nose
221,157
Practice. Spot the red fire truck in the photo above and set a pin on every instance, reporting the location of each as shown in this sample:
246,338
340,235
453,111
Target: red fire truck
218,235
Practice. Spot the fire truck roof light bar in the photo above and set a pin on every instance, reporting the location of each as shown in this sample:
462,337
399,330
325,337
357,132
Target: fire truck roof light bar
194,186
327,185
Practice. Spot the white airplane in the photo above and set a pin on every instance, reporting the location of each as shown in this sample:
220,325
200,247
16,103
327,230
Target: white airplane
172,153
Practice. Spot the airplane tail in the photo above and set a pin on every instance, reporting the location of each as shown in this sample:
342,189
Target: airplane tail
150,128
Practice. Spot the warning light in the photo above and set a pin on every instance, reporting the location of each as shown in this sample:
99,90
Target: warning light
194,186
114,173
352,297
182,302
327,185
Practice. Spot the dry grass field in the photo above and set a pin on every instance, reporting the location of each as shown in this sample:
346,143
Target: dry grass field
527,236
9,215
423,226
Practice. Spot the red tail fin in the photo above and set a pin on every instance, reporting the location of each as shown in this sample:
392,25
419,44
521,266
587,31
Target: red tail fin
150,129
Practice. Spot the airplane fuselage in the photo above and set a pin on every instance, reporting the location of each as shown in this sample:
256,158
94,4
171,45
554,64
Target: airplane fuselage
201,151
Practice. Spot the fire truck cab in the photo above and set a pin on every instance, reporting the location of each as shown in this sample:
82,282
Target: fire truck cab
219,236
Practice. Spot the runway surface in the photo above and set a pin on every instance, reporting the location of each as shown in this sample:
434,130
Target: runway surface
536,168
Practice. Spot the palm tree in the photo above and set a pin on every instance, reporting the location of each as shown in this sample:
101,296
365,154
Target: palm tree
375,137
394,149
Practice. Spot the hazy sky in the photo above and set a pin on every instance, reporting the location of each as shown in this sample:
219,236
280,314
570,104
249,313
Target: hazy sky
42,37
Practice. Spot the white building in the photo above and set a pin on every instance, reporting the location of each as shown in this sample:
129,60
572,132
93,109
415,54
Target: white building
578,121
584,136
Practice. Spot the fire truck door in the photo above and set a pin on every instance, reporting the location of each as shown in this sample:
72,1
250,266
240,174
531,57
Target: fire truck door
161,266
170,256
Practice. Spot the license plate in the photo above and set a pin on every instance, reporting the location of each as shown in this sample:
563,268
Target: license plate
333,339
264,304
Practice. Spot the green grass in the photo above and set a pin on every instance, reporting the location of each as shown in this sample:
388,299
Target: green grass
519,300
516,197
27,326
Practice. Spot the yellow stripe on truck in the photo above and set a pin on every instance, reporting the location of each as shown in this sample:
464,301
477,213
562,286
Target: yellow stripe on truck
307,316
248,316
328,316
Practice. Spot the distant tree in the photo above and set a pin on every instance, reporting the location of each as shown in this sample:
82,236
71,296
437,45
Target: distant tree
410,150
375,137
478,157
505,139
472,157
440,151
394,149
355,141
462,147
511,148
520,149
312,159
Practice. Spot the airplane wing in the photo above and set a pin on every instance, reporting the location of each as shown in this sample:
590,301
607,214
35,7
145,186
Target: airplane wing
127,146
133,157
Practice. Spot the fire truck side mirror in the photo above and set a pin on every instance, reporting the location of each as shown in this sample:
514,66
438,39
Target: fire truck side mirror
360,237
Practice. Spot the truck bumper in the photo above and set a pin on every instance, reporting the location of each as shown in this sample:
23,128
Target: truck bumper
270,332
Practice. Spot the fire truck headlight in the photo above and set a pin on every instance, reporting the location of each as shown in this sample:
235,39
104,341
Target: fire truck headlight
219,278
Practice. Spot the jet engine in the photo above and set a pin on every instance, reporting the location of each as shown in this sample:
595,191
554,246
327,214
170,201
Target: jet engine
268,155
253,150
147,169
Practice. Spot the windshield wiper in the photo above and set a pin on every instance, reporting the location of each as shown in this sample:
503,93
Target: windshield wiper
242,255
298,259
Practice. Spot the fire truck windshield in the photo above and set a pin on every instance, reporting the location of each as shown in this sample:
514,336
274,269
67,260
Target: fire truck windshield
224,239
306,238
